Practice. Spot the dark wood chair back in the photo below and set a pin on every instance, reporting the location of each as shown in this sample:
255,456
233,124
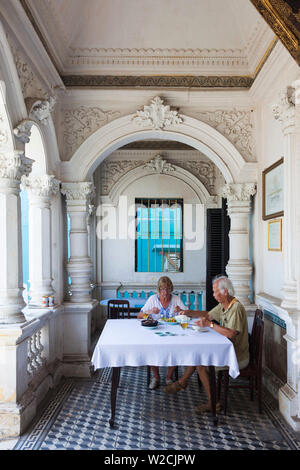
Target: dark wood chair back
118,309
257,344
252,338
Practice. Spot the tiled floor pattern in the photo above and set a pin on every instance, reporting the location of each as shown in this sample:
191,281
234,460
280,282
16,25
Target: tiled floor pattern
76,416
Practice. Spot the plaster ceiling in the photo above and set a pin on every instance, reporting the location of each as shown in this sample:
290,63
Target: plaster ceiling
152,37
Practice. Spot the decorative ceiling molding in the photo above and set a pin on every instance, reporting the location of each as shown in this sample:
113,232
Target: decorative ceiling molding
166,81
284,19
78,66
169,81
136,61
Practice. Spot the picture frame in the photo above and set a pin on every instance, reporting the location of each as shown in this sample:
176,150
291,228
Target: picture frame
272,191
275,235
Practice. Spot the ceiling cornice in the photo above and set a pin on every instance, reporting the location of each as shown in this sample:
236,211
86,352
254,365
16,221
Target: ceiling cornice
39,33
157,81
284,19
167,80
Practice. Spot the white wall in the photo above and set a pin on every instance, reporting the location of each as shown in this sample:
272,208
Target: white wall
269,265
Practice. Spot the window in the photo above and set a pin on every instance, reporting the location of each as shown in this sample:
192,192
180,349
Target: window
158,244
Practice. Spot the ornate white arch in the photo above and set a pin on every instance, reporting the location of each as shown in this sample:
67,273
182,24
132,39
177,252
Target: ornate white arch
198,188
124,130
51,164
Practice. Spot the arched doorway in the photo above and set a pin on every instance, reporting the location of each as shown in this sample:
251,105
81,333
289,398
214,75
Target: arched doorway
235,170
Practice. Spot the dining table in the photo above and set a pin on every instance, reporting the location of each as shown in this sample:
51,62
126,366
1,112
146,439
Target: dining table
126,342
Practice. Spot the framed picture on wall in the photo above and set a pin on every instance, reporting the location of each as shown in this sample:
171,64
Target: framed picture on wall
275,235
272,188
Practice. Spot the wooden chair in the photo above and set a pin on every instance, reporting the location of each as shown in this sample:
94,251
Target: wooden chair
252,337
118,309
254,369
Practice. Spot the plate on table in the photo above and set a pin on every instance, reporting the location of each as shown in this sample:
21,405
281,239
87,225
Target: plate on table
200,329
166,322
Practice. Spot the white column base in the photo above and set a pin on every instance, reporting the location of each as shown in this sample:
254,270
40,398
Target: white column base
11,309
288,405
80,272
289,292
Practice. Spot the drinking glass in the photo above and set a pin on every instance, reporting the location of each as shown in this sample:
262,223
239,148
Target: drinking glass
184,325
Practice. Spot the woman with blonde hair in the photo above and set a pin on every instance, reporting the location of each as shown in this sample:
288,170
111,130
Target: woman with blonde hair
167,305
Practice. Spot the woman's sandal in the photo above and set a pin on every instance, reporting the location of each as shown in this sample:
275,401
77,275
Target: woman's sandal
175,387
207,407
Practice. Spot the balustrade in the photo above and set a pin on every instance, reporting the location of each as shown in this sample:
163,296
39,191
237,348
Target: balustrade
192,296
35,358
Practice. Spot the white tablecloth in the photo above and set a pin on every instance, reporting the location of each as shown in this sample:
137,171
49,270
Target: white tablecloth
128,343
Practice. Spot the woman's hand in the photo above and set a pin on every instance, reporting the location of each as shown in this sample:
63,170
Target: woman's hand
154,310
177,309
180,312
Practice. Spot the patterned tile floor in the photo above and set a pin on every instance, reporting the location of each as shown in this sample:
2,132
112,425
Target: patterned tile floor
75,417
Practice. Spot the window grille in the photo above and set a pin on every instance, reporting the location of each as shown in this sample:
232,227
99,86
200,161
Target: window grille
159,228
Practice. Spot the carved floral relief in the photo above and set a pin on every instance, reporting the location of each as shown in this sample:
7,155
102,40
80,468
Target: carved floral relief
236,126
30,84
112,171
79,123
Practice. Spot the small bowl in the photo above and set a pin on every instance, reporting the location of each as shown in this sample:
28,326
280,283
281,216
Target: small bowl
199,328
149,323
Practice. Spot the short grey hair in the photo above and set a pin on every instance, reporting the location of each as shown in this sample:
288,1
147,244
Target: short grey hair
224,283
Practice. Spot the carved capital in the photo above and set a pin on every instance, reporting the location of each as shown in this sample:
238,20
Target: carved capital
40,186
159,165
296,86
238,191
284,110
82,191
157,115
14,165
40,110
22,131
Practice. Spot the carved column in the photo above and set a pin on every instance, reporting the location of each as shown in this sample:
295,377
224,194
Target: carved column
40,189
239,269
284,111
78,197
12,166
287,111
